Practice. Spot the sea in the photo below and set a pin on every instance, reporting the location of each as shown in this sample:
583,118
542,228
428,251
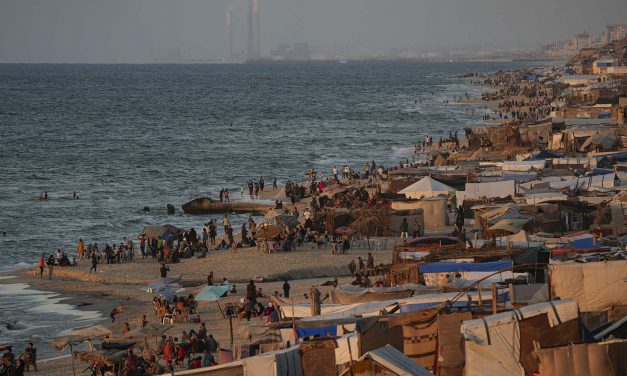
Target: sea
125,137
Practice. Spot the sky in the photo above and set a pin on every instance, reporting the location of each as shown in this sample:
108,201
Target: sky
138,31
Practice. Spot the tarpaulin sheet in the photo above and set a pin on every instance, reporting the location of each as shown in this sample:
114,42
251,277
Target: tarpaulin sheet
478,191
451,343
458,267
607,359
536,331
347,348
492,344
356,294
325,331
596,286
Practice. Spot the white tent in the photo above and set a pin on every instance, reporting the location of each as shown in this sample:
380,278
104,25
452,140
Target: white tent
492,344
393,360
427,187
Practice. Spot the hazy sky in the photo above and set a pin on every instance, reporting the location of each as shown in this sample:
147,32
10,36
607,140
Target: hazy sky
142,30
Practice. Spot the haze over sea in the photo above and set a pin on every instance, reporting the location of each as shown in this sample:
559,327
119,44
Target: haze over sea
130,136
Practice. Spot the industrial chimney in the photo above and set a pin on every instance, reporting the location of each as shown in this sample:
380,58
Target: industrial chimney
229,35
256,46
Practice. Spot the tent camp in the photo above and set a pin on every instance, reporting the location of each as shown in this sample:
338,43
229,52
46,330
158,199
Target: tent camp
385,360
503,344
427,187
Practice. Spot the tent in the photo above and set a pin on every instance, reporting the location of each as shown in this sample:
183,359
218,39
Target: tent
427,187
602,142
168,232
499,344
285,362
597,286
267,231
212,293
385,358
512,226
602,358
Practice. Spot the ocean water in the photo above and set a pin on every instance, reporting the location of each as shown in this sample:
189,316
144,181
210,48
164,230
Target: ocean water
37,316
130,136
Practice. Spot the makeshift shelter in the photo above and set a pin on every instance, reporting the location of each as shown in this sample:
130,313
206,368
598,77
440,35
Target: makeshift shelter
481,191
165,232
434,211
511,226
502,344
596,286
385,360
355,294
427,187
451,343
267,231
600,142
285,362
604,358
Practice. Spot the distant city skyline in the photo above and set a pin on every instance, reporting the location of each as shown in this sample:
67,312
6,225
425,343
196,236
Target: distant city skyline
137,31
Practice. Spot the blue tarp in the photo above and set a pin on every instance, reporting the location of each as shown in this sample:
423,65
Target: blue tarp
324,331
458,267
583,243
212,293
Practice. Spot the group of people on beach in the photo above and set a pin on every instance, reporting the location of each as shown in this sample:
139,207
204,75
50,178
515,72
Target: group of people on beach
18,366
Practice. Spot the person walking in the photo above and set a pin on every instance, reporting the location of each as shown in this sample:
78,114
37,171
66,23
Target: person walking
286,289
41,265
416,228
226,222
404,228
94,262
50,265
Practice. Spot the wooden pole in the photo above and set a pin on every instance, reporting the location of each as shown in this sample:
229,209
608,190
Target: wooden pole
72,356
231,329
512,294
479,295
494,300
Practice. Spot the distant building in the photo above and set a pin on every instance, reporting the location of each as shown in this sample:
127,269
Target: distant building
569,47
612,33
297,51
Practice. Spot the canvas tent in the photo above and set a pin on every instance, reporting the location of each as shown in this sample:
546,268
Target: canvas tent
389,359
427,187
596,286
496,344
479,191
162,232
605,358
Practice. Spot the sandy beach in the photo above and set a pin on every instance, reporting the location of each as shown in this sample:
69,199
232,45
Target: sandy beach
119,285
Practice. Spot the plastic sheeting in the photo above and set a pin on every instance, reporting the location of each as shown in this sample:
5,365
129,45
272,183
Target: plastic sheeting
607,359
458,267
596,286
427,187
276,363
523,165
493,342
479,191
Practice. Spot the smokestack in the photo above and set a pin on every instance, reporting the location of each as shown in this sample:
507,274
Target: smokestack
256,45
249,46
229,35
